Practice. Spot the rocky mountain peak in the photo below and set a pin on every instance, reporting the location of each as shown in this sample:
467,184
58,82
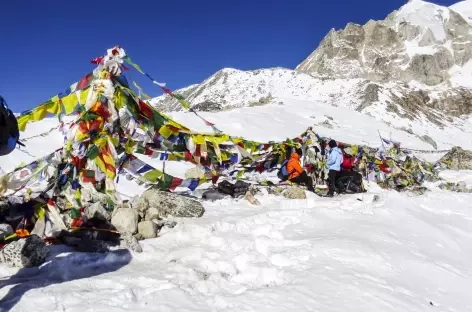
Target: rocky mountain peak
421,42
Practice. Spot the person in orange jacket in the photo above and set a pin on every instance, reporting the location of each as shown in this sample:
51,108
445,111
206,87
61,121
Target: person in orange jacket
296,173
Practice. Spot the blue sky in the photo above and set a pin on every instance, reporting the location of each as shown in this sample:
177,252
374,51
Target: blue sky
47,45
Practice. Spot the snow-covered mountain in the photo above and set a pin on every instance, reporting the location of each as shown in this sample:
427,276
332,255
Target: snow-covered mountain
420,42
411,70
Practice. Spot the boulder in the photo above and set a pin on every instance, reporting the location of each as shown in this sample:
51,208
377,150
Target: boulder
141,204
125,220
25,252
97,211
152,214
171,204
5,230
295,193
147,229
458,159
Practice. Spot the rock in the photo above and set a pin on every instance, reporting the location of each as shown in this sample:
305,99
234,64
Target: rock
429,140
295,193
5,230
130,242
461,187
125,220
250,198
25,252
168,223
170,204
458,159
97,211
252,191
141,204
152,213
213,195
147,229
4,206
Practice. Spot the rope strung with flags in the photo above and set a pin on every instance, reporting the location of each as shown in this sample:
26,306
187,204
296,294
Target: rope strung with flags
180,98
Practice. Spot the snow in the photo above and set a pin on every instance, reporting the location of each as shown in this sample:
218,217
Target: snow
426,15
396,254
458,176
464,8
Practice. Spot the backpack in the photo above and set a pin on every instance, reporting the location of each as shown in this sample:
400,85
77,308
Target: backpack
283,174
9,132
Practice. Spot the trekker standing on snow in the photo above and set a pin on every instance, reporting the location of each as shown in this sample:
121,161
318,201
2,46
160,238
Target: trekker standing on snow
9,133
335,159
296,173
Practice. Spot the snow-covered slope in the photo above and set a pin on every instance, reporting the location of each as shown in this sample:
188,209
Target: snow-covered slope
464,8
397,253
381,251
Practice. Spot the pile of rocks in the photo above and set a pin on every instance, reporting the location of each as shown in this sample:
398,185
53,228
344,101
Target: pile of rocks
141,218
458,159
460,187
145,215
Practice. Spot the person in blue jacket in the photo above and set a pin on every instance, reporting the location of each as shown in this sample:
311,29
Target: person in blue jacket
9,133
335,159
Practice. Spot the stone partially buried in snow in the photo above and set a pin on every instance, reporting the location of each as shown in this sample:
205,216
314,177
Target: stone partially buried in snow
295,193
170,204
125,220
147,229
25,252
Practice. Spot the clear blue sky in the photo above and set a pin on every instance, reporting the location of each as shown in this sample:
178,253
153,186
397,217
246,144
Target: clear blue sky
45,45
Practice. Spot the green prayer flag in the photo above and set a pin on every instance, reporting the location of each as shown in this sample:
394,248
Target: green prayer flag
153,175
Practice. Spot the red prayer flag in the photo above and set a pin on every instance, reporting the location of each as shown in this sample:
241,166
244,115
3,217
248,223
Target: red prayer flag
175,183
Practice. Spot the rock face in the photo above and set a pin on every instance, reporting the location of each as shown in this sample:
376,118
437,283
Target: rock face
125,220
295,193
25,252
410,44
458,159
170,204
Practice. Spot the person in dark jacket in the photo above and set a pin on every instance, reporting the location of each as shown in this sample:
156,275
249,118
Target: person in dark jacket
348,168
9,133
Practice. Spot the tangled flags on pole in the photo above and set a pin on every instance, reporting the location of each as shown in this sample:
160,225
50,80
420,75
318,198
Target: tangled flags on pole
114,123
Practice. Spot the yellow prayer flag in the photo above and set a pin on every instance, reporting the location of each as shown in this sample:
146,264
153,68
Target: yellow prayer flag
198,139
39,113
22,121
53,106
165,132
70,102
83,96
